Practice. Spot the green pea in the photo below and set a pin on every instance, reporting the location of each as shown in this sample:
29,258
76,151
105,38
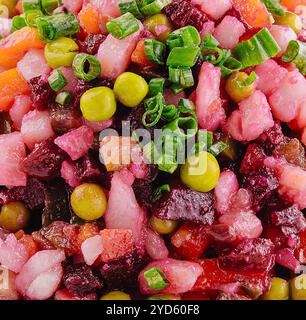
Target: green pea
61,52
279,290
98,104
130,89
298,287
14,216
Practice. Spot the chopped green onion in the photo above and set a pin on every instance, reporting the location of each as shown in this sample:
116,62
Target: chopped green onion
181,76
130,6
248,81
217,148
63,98
156,85
170,112
150,152
229,66
257,49
209,42
186,103
204,141
149,8
57,80
177,88
185,127
28,5
49,5
183,57
174,75
274,7
56,26
31,16
296,53
155,51
123,26
185,37
158,191
86,67
154,107
18,22
155,278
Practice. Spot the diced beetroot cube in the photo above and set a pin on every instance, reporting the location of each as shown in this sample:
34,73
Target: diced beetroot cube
92,249
44,266
36,127
73,6
155,246
213,276
122,199
191,240
216,9
13,254
115,64
76,142
68,172
8,290
256,116
64,294
226,187
116,243
286,258
208,103
33,64
12,152
282,35
22,105
269,74
232,296
70,78
253,159
229,31
300,251
182,275
285,100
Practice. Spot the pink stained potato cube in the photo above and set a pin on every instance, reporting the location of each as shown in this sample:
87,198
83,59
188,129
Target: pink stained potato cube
40,267
282,35
68,173
22,105
225,189
36,127
300,121
216,9
233,126
5,26
155,246
285,100
181,275
73,6
123,211
98,126
12,153
91,249
208,28
76,142
33,64
13,254
269,75
208,103
70,78
107,7
115,55
229,31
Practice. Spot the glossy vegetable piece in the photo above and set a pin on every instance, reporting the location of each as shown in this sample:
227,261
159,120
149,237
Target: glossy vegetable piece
12,85
17,44
89,19
139,56
215,9
282,35
159,25
254,12
116,295
155,246
8,290
22,105
298,287
291,4
290,19
279,290
300,251
162,226
14,216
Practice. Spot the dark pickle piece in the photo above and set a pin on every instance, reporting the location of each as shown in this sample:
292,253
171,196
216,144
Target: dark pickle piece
233,152
5,123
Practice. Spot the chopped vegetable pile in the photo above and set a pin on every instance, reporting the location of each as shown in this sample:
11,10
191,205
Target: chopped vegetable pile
152,149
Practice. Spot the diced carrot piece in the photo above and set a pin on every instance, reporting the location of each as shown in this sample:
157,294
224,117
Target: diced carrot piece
11,85
87,231
89,19
139,56
254,12
13,48
292,4
30,244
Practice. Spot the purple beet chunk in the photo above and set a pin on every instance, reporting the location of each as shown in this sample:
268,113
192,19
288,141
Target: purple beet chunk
44,161
41,92
183,13
87,168
262,184
80,280
123,273
33,195
290,220
250,255
182,203
91,43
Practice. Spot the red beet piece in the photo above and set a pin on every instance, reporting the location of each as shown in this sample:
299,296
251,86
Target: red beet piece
250,255
185,204
253,159
91,43
44,161
41,92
